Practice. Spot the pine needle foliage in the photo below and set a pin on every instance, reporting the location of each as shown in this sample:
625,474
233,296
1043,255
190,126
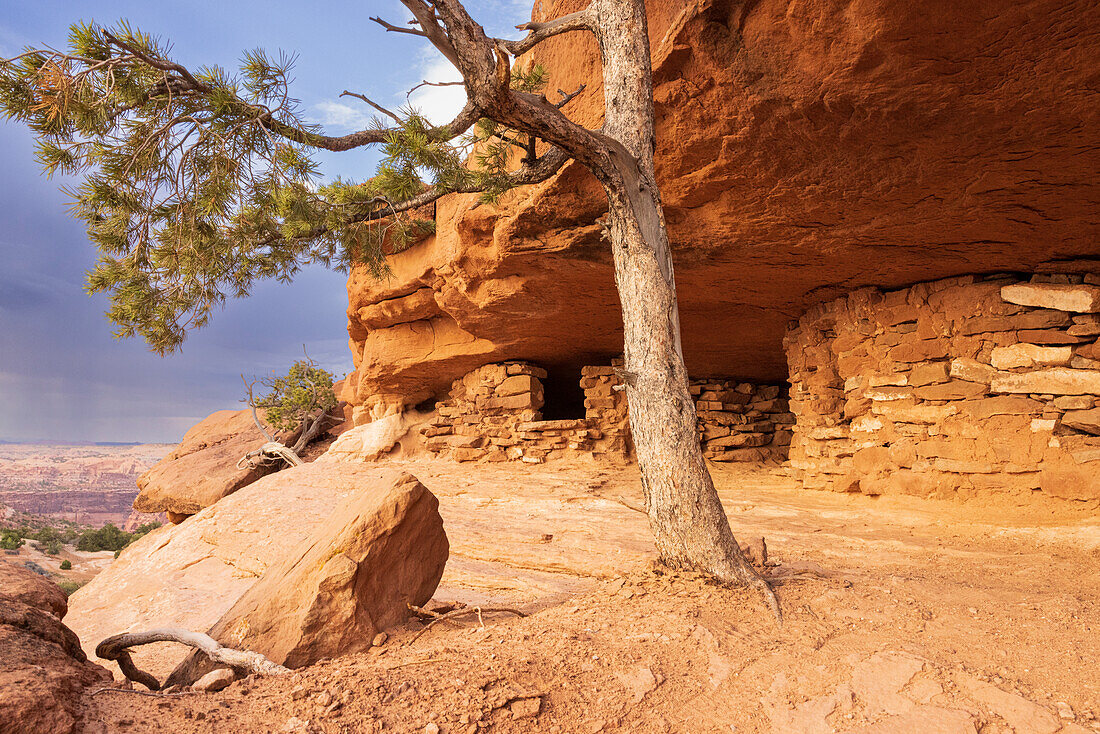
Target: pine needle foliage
196,185
297,396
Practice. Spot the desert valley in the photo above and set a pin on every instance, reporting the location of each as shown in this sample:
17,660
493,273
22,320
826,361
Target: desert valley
84,485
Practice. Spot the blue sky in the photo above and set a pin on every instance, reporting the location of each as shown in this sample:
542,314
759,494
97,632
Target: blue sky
62,375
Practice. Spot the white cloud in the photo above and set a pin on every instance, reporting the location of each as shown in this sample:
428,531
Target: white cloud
339,117
438,104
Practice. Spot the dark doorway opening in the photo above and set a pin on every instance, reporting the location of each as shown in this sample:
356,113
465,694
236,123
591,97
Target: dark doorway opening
564,398
428,405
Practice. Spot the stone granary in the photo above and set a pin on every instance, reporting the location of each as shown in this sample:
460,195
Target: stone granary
855,192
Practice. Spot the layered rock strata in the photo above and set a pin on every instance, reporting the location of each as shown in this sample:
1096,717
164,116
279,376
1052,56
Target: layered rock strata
43,670
804,150
742,421
951,388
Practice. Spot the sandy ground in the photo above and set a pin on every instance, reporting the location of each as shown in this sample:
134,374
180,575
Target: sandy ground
86,564
902,615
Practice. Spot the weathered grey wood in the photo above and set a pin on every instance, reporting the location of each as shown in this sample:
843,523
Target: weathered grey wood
117,648
688,522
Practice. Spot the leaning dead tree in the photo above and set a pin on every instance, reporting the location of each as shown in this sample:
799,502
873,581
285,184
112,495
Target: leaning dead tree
199,183
242,662
297,403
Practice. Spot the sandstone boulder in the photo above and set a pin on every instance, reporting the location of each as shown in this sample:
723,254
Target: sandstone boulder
189,575
21,584
371,440
43,671
202,469
383,549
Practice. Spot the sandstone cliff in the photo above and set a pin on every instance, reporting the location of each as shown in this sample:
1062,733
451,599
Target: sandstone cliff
804,149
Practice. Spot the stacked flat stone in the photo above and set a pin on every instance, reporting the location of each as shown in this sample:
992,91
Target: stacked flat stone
742,421
494,414
605,406
952,388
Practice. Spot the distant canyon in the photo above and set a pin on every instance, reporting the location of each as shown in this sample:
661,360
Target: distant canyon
84,484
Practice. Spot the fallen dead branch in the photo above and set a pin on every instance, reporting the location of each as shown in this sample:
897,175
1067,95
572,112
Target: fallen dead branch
459,613
244,662
154,694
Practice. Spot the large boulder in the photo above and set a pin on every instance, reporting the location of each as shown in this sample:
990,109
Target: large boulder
804,149
380,551
189,575
203,468
43,670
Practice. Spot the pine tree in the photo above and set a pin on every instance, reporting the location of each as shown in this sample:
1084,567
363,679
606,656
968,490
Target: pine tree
197,183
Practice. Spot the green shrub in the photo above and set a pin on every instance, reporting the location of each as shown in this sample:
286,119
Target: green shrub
10,540
108,537
66,565
70,586
297,396
46,535
53,547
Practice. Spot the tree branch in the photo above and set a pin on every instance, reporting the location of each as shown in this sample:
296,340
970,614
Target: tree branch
252,405
429,27
116,647
427,83
390,27
186,83
582,20
530,173
567,98
373,104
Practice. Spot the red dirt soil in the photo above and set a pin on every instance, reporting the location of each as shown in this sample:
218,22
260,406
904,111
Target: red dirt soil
902,615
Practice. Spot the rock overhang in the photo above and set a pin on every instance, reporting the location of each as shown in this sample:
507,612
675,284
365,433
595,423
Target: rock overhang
804,151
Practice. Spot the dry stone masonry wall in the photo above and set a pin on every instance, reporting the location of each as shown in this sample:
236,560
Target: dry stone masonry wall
742,421
494,414
952,388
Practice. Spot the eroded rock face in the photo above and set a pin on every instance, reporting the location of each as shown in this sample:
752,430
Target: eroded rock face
191,574
383,549
43,671
805,149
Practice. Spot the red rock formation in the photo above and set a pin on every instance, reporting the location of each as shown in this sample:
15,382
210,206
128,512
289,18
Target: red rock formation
43,671
804,149
381,550
202,469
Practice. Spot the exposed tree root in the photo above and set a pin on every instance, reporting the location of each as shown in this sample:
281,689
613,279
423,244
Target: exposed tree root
270,453
244,662
736,573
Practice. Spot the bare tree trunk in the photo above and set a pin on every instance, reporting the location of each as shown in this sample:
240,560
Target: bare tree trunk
688,522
